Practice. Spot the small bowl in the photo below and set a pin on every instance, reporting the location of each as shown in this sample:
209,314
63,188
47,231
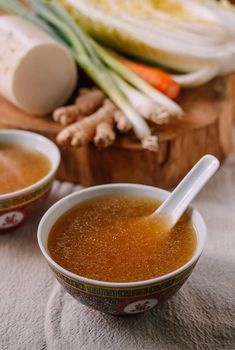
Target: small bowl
118,298
16,207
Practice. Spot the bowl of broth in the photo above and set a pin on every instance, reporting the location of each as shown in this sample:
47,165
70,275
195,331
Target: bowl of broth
110,255
28,163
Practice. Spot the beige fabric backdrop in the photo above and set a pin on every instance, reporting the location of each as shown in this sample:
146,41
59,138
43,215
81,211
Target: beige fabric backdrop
35,313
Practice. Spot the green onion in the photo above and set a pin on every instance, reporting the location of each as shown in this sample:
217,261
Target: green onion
146,107
77,30
138,82
52,18
17,9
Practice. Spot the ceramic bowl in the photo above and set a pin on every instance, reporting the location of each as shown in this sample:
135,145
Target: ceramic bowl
16,207
118,298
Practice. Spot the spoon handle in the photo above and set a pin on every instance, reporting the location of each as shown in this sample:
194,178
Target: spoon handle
188,188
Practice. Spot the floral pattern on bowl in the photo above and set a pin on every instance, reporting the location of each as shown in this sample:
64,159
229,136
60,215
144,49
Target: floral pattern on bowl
123,301
14,211
16,207
112,297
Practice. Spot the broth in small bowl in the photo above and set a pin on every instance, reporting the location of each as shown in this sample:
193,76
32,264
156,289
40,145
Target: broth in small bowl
28,163
110,256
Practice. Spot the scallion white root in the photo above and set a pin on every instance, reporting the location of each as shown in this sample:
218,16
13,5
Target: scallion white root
172,107
146,107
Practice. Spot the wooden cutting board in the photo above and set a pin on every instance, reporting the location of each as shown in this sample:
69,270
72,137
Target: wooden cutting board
205,128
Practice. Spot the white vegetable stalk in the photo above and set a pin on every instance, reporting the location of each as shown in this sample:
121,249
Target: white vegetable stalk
193,36
141,130
224,12
77,41
172,107
31,71
139,125
197,78
146,107
188,37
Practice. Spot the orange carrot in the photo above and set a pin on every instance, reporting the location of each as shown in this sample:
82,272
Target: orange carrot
155,77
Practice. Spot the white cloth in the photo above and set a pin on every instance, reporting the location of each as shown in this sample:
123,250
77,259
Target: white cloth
36,313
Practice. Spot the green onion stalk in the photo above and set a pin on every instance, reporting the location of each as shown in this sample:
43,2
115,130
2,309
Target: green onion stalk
136,81
52,18
18,9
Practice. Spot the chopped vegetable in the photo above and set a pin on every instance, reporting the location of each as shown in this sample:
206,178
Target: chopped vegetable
30,69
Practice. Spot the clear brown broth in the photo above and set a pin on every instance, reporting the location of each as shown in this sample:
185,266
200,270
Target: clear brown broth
111,239
20,167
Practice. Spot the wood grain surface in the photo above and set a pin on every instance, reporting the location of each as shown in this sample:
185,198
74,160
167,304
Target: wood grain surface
205,128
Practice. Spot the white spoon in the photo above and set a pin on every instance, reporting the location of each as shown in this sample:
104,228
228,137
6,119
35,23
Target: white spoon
175,205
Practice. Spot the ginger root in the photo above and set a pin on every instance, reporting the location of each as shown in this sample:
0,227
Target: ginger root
122,122
93,117
88,101
99,127
105,135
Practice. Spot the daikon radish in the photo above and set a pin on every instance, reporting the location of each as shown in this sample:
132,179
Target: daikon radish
37,74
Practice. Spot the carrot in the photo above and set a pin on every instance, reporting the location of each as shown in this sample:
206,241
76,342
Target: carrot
155,77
